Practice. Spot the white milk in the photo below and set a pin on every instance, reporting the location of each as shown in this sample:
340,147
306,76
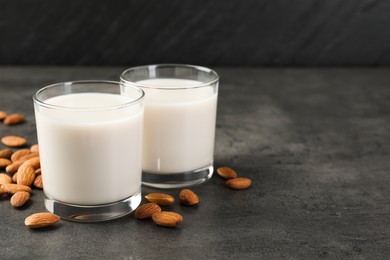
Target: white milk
90,158
179,126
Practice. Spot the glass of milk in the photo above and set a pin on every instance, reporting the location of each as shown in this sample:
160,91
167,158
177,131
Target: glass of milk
179,123
90,142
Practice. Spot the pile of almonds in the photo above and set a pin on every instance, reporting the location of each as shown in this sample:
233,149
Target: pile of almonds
22,172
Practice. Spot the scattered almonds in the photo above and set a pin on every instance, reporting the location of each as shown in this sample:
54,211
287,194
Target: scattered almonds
161,199
40,220
239,183
188,197
13,141
20,198
13,119
167,218
146,210
12,188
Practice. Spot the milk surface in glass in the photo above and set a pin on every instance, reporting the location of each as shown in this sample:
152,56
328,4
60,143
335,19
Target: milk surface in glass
179,125
90,158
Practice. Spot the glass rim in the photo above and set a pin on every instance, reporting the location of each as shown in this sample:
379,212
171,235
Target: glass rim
42,103
213,80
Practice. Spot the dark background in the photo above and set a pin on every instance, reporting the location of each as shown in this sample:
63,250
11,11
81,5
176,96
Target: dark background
213,33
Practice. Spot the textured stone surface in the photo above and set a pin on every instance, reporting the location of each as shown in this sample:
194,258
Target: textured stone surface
315,142
230,32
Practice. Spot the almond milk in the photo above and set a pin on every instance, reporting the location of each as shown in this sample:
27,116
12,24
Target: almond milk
179,126
90,158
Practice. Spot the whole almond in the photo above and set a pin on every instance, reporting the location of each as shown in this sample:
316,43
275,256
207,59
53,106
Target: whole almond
13,188
34,162
34,148
13,119
25,175
4,162
3,115
38,182
4,178
161,199
6,153
167,218
146,210
29,156
226,172
188,197
13,141
239,183
20,198
40,220
19,154
12,168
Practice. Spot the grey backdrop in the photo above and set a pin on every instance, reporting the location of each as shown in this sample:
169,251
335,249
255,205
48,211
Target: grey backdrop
211,32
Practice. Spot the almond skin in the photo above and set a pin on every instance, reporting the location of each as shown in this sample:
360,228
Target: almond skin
19,154
40,220
188,197
4,162
38,171
13,141
38,182
13,168
239,183
25,175
167,218
161,199
5,179
226,172
13,119
6,153
34,162
13,188
146,210
20,198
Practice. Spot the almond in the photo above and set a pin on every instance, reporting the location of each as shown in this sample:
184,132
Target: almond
38,171
146,210
34,162
13,141
25,175
4,162
34,148
29,156
13,188
6,153
188,197
4,179
40,220
12,168
13,119
15,177
167,218
19,154
161,199
239,183
20,198
226,172
38,182
3,115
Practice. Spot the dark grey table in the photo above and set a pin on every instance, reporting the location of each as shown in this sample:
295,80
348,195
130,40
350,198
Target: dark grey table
315,142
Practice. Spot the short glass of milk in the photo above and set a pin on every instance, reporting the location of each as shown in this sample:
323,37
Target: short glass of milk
90,142
179,122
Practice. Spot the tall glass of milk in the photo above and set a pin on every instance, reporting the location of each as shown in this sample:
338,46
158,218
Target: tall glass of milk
179,122
90,142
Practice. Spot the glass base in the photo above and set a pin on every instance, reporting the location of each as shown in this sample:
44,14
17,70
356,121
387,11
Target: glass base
177,180
93,213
